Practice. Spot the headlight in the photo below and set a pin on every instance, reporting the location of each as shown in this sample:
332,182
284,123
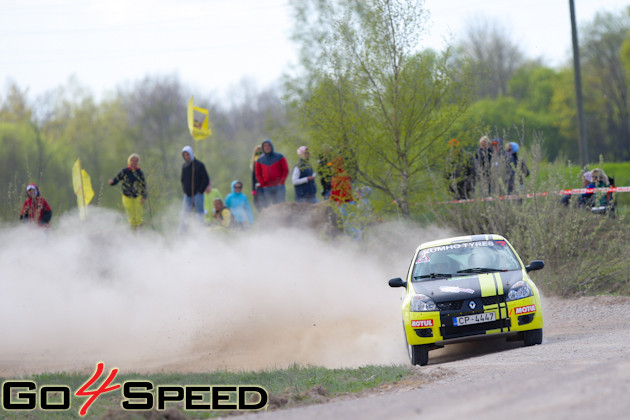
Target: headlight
421,303
520,290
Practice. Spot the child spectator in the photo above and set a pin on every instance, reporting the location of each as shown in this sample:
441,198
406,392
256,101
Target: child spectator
238,204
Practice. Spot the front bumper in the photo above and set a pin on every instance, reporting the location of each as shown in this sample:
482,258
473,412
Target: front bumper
514,316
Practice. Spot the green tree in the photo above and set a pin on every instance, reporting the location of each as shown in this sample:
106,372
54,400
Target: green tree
374,98
77,126
525,109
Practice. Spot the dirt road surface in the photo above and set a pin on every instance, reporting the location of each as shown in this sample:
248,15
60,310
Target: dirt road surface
581,371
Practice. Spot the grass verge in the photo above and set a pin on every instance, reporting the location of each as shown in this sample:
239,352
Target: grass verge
294,386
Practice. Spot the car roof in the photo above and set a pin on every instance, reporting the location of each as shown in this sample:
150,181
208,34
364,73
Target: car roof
461,239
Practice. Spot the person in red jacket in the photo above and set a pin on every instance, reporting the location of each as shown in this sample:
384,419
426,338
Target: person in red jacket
35,208
271,172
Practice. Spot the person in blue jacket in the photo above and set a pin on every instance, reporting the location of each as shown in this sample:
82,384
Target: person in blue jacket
239,205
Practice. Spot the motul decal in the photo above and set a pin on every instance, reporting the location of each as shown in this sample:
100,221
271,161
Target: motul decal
419,323
521,310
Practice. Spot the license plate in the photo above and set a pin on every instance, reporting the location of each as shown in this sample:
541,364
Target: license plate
474,319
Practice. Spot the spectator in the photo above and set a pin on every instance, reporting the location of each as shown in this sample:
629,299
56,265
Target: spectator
459,171
519,167
271,172
134,190
324,170
483,159
35,208
257,192
222,216
361,214
340,183
195,181
208,203
341,195
601,180
500,170
584,200
304,178
239,206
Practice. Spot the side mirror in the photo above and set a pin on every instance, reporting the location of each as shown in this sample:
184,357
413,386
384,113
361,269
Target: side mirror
535,265
397,282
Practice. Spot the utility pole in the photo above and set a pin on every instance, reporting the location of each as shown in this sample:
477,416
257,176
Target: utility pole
578,90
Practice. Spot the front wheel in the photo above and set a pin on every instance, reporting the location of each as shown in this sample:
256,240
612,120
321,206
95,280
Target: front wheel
532,337
419,354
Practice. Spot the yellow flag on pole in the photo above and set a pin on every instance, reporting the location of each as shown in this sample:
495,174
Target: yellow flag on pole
82,184
198,121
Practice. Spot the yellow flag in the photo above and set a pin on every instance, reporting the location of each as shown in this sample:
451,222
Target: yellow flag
197,121
82,184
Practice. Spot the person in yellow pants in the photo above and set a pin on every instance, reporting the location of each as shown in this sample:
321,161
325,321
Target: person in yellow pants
134,190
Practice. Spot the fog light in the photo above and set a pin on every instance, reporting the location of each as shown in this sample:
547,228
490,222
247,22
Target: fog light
424,332
525,319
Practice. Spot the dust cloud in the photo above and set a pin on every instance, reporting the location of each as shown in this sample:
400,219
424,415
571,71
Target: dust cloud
82,293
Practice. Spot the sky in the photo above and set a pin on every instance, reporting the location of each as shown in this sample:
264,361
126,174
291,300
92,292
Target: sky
212,45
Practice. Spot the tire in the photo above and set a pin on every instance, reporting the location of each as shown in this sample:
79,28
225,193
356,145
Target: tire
419,354
532,337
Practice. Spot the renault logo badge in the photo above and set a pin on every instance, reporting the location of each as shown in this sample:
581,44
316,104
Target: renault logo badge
472,305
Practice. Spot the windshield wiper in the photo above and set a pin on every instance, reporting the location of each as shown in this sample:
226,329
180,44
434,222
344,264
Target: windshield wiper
433,276
481,270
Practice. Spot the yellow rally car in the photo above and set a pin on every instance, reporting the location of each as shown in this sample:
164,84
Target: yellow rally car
459,289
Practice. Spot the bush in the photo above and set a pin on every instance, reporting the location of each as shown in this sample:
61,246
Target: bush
584,253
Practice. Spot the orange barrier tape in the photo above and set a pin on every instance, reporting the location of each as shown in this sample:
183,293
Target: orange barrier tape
576,191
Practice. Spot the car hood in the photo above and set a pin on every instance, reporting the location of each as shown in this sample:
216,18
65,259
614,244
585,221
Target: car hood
466,287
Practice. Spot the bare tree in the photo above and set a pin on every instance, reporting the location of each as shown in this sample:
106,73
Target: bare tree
156,109
493,56
605,78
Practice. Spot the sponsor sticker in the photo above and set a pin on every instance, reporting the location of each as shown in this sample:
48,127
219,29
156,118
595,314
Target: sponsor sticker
419,323
522,310
459,246
455,289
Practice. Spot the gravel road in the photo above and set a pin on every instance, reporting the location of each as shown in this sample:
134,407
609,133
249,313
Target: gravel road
581,371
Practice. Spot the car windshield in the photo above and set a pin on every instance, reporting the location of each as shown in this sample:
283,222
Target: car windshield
462,259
